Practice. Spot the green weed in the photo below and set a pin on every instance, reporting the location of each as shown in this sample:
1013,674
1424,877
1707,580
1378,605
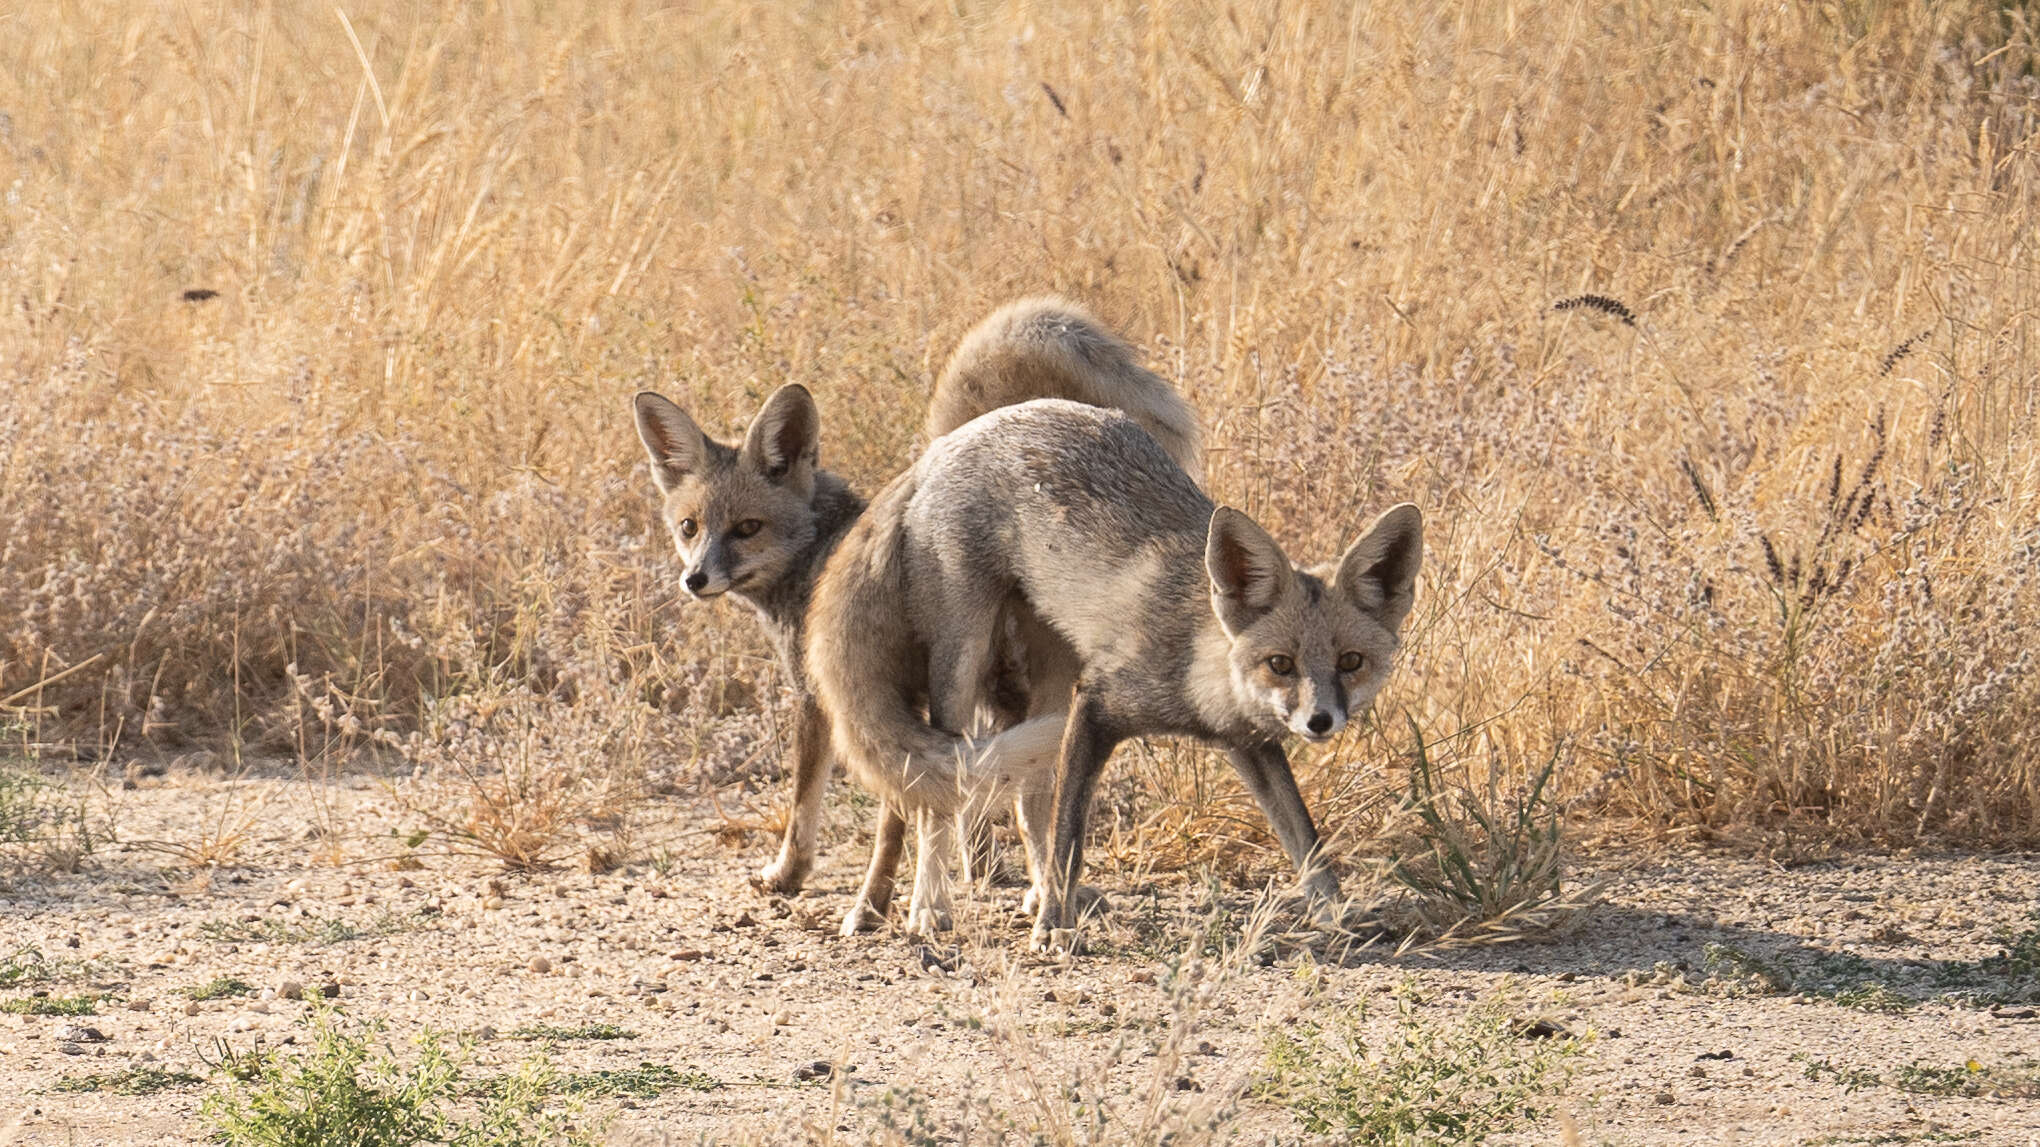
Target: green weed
1421,1081
346,1089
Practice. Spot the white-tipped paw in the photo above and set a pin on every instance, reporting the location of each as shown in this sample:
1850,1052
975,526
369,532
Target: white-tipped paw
927,921
784,875
861,918
1057,941
1089,901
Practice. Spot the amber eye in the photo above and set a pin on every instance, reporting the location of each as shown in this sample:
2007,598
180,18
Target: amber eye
1350,662
1281,665
746,528
688,528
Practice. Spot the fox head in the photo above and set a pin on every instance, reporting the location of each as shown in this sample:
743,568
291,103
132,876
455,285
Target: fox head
739,516
1310,649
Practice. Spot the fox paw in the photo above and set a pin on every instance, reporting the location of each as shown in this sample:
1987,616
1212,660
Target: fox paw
927,921
1089,901
784,876
1057,941
861,918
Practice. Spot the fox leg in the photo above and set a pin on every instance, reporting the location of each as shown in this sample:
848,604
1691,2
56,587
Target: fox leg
1265,770
811,768
1087,744
876,895
928,911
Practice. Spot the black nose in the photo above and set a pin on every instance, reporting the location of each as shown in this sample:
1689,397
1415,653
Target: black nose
695,581
1319,722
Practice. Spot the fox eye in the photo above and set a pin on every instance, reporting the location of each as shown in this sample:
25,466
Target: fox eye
1350,662
746,528
689,528
1281,665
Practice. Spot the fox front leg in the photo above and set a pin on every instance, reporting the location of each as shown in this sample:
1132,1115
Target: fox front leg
811,769
1265,770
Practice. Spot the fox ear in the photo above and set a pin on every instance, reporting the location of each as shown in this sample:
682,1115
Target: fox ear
785,439
675,444
1248,571
1379,572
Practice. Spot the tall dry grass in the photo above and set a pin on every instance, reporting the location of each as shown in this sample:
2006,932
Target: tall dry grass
1749,542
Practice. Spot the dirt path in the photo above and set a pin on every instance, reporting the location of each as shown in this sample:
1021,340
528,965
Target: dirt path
741,994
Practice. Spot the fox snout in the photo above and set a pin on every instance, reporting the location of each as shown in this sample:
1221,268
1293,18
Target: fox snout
704,580
1317,724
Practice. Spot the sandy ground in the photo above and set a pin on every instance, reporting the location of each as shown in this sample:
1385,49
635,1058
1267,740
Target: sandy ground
743,992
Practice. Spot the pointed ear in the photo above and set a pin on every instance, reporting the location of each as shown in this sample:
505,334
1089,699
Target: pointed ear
672,440
1248,571
785,439
1379,572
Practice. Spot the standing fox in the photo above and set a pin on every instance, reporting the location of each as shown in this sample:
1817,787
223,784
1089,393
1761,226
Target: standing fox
759,520
1070,532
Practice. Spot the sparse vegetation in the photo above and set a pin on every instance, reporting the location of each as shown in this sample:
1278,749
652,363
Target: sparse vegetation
138,1079
645,1081
594,1031
1968,1079
305,930
221,988
28,965
52,1005
344,1090
1414,1079
2012,976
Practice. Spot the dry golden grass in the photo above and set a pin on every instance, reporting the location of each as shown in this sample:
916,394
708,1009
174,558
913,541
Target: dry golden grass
1745,532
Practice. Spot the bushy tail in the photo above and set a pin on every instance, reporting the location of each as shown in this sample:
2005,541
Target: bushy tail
870,670
1053,348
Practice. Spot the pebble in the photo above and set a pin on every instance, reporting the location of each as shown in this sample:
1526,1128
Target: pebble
492,903
419,996
78,1033
819,1069
291,990
782,1018
541,965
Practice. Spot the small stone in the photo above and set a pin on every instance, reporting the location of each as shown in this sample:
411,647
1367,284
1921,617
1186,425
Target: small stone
686,955
70,1049
819,1069
541,965
1108,1009
419,995
1697,1072
1665,1099
141,1005
330,989
266,994
291,990
1185,1083
492,903
485,1033
782,1018
406,882
1204,1047
191,1007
